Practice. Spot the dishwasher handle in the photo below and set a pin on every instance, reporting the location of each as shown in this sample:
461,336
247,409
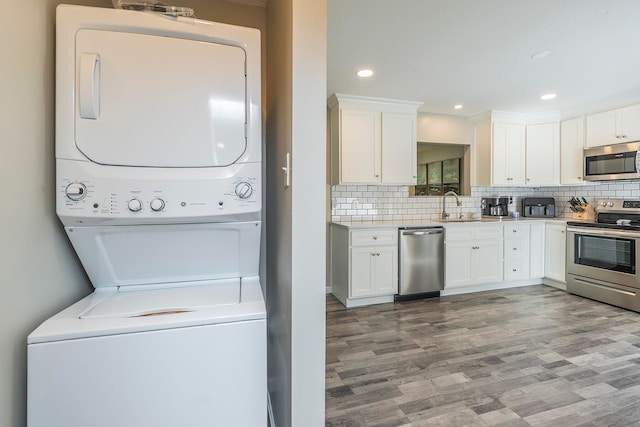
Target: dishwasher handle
422,232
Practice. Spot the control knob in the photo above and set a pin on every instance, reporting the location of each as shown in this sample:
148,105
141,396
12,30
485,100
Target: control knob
610,204
157,205
76,191
135,205
244,190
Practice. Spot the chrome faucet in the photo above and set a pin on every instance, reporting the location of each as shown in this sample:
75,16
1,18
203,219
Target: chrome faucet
445,215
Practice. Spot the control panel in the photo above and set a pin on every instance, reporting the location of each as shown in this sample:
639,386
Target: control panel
84,196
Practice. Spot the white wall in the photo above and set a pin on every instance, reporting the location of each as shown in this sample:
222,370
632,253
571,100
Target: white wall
296,73
39,272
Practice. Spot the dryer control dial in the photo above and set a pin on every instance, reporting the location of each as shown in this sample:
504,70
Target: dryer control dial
135,205
157,205
244,190
76,191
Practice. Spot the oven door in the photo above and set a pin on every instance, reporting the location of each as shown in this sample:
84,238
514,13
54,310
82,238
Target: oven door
606,255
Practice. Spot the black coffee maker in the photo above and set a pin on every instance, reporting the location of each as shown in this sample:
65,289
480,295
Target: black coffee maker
495,206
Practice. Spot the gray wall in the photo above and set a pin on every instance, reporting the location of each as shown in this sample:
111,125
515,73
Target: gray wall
296,111
39,272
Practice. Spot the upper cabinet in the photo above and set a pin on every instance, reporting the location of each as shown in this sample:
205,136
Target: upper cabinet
517,150
373,140
571,151
542,154
508,154
613,126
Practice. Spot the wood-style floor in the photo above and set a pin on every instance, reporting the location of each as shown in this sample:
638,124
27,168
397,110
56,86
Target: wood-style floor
526,356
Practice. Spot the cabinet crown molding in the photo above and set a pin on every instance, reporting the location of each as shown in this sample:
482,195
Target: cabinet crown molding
369,102
519,118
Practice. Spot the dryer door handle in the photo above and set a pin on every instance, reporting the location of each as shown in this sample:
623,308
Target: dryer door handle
89,85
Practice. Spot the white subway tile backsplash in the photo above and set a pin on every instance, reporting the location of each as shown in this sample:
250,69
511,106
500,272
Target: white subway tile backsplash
387,203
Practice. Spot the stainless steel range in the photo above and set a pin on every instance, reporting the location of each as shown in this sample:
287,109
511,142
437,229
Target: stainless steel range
602,256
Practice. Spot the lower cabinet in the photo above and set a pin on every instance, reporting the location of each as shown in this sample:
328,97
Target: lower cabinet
364,265
555,252
473,255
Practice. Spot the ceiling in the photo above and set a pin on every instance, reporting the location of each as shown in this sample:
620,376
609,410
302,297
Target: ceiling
481,53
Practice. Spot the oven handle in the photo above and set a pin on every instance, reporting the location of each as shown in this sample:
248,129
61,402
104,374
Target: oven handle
600,232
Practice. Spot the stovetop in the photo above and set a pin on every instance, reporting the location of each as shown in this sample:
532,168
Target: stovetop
614,214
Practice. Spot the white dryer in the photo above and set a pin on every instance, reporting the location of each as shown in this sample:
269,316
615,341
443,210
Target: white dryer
158,186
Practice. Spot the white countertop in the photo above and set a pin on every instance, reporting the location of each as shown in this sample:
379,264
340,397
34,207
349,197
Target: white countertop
438,222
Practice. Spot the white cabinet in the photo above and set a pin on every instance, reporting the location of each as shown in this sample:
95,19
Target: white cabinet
536,250
555,251
571,151
516,150
473,255
542,154
523,251
364,264
508,154
516,251
373,140
613,126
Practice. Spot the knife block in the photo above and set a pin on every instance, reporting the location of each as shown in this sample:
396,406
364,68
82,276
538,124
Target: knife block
588,214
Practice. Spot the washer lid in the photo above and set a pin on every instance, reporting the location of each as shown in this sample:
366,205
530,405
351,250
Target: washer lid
129,302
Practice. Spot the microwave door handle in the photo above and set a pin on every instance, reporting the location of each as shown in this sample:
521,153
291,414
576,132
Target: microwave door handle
638,162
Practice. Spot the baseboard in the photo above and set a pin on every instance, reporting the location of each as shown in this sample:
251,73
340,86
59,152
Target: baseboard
328,289
555,284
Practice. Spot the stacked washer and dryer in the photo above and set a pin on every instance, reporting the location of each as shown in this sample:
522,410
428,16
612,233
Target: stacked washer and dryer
158,186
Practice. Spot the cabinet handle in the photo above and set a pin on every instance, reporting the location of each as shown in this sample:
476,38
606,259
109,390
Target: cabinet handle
514,231
579,177
509,179
562,231
624,136
377,176
528,179
375,237
377,253
515,249
515,269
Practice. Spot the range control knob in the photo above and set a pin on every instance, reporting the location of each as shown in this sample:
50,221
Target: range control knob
135,205
610,204
244,190
157,205
76,191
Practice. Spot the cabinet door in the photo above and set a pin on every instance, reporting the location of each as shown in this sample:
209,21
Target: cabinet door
399,146
571,151
603,128
536,250
362,260
385,270
631,123
508,154
555,252
458,264
359,146
543,154
487,261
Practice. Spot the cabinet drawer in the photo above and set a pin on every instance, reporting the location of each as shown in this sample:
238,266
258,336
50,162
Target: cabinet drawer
517,269
514,249
488,232
374,237
516,231
459,233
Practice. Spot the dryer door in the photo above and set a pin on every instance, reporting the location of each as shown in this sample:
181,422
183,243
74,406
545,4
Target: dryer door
156,101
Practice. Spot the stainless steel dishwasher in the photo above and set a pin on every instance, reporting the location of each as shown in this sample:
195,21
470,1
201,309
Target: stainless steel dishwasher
421,267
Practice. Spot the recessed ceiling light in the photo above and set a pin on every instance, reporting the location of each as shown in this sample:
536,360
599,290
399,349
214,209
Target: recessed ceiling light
540,55
548,96
365,72
458,106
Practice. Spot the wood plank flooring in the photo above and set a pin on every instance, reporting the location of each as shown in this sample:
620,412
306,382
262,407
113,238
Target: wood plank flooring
525,356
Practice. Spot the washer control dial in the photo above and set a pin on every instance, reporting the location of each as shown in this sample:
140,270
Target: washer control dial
157,205
244,190
76,191
135,205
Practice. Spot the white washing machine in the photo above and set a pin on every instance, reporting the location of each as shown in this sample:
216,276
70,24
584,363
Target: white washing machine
158,186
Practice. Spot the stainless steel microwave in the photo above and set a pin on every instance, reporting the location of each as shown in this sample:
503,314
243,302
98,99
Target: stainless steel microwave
618,161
